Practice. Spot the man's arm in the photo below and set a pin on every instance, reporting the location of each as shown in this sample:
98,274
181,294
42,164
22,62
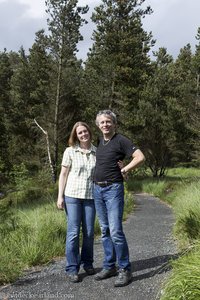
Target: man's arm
137,159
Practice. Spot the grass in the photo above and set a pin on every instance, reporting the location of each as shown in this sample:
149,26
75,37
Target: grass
128,202
167,187
30,223
187,211
181,189
184,282
39,235
33,231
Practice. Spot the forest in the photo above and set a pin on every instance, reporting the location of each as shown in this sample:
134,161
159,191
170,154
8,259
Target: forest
45,91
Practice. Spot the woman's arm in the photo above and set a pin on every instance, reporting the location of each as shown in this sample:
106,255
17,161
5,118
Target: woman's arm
61,186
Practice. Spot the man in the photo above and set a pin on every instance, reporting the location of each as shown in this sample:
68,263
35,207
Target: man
109,196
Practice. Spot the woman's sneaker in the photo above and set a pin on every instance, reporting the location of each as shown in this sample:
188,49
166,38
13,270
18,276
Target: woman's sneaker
73,277
124,278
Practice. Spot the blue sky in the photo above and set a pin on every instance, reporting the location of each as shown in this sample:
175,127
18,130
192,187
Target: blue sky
173,23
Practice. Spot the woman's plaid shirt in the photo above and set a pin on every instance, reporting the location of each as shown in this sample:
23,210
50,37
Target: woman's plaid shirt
80,178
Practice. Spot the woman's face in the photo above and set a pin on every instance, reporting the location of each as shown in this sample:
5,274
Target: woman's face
83,134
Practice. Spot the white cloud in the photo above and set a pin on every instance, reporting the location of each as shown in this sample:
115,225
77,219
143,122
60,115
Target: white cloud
17,26
35,8
173,23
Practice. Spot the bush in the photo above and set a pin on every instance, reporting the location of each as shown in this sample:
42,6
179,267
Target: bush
8,219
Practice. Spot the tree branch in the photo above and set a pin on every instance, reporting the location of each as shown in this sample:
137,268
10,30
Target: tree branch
48,150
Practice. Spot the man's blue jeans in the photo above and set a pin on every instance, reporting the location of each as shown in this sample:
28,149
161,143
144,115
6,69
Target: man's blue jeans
79,212
109,203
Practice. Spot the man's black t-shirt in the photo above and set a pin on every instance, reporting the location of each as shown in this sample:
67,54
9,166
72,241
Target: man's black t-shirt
107,156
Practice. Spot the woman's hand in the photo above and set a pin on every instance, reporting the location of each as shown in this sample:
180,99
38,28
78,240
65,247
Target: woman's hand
60,203
120,164
123,172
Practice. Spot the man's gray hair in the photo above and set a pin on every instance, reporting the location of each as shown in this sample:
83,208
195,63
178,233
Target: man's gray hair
108,113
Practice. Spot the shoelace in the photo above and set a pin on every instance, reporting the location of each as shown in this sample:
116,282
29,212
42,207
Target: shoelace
121,273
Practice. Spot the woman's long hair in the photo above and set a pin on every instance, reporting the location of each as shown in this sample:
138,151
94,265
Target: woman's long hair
73,139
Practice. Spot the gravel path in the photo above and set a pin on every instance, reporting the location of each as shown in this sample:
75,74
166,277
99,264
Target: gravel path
151,244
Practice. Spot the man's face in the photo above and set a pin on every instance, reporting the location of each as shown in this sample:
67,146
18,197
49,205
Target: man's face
106,125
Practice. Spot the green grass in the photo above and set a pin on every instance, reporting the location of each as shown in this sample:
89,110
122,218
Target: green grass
166,187
33,230
187,211
183,172
184,282
181,189
39,235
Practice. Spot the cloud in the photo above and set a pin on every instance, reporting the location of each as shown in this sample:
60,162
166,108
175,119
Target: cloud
87,29
17,27
35,8
173,23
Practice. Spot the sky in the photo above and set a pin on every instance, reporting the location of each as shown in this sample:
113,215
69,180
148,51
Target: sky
173,24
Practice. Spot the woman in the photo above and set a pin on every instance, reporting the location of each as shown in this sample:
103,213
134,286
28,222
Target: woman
75,195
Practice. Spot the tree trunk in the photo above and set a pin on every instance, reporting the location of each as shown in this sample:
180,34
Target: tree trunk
55,146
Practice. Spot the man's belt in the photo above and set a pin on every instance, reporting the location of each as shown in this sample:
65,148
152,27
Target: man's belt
103,183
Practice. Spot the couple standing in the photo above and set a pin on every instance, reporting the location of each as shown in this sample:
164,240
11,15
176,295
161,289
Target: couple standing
92,179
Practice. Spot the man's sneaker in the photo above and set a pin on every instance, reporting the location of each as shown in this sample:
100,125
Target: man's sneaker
73,277
90,271
105,274
124,277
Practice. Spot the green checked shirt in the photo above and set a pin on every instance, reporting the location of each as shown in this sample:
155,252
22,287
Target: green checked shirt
80,178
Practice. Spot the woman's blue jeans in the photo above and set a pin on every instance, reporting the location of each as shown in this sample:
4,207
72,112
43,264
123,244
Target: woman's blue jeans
79,212
109,203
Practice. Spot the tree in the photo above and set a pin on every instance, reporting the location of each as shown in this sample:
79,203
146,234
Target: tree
64,33
164,110
5,77
118,59
194,120
21,144
185,93
156,130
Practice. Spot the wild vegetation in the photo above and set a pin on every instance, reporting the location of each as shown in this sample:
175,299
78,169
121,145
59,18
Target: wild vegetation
181,189
32,230
44,91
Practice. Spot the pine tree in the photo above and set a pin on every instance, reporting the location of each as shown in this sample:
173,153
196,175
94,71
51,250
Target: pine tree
64,33
5,77
194,119
185,93
164,110
156,131
21,145
119,58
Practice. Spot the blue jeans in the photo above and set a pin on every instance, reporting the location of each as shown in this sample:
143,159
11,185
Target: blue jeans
79,212
109,203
